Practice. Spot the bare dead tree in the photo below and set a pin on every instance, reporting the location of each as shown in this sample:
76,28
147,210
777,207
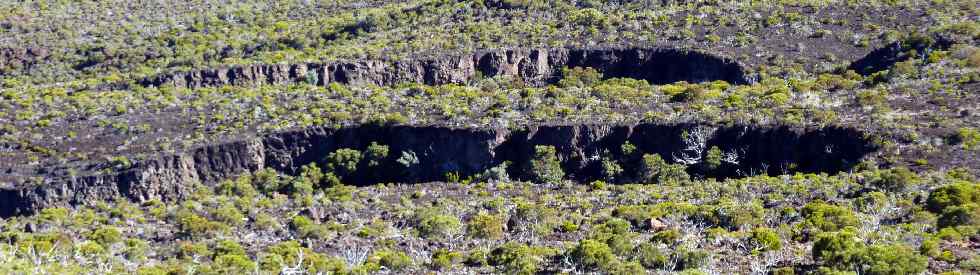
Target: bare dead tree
732,156
695,145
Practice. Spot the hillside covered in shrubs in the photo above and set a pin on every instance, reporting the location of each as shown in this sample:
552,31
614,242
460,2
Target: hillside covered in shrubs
490,137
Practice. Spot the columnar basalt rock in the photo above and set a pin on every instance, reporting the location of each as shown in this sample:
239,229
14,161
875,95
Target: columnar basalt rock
533,66
441,150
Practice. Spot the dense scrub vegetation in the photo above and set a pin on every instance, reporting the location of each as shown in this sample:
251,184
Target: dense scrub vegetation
269,222
904,72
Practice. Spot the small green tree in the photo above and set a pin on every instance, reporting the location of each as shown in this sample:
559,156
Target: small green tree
712,160
611,169
344,161
375,154
654,169
545,166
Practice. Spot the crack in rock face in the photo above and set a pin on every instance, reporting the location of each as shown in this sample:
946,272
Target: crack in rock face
583,153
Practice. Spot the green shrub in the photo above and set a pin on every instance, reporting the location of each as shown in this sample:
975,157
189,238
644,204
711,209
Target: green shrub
228,247
766,239
438,226
233,264
626,267
668,237
973,263
267,181
375,154
310,177
343,162
733,215
611,169
306,228
545,166
477,258
691,258
956,204
930,246
654,169
892,259
195,225
968,137
54,215
391,259
443,259
615,233
966,214
106,236
649,256
838,250
515,258
597,185
712,160
91,248
827,217
952,195
591,254
540,218
638,215
229,214
289,253
485,226
896,179
579,77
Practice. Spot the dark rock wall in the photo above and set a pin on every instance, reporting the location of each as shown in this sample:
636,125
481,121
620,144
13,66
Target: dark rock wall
441,150
534,66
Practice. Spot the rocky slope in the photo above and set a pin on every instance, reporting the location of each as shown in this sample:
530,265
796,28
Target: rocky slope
535,66
441,150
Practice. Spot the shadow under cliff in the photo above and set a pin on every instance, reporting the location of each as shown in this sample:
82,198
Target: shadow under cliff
423,154
532,66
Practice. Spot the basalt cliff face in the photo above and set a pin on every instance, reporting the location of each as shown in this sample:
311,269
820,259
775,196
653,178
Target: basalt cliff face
441,150
534,66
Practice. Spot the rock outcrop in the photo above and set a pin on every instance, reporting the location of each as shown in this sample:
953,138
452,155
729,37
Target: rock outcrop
440,150
534,66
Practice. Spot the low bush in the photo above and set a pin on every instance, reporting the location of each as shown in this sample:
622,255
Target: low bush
650,256
592,255
766,239
485,226
443,259
438,226
825,217
838,250
896,179
891,259
516,258
957,204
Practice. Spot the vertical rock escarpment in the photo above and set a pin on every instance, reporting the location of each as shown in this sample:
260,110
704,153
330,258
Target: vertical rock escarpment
534,66
441,150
